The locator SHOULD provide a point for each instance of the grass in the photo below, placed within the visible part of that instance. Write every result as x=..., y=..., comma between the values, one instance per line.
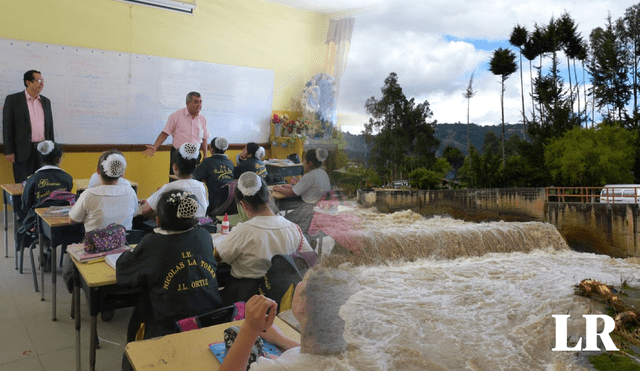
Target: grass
x=612, y=362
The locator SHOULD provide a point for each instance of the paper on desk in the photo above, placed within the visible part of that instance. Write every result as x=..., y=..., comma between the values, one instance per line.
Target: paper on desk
x=57, y=211
x=217, y=238
x=112, y=259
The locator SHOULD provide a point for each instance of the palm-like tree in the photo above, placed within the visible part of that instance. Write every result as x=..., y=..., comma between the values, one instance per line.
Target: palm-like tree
x=503, y=64
x=469, y=93
x=518, y=38
x=568, y=39
x=530, y=51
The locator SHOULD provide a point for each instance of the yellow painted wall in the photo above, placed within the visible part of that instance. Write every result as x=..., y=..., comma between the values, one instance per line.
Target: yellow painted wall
x=251, y=33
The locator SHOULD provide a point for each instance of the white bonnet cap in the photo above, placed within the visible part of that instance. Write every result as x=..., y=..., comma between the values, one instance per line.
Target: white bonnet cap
x=189, y=150
x=221, y=143
x=249, y=183
x=45, y=147
x=322, y=154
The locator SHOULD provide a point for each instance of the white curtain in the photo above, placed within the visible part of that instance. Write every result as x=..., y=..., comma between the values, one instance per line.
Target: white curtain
x=340, y=31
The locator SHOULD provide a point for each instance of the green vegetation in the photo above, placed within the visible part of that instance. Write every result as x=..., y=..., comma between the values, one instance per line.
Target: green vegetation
x=589, y=156
x=610, y=362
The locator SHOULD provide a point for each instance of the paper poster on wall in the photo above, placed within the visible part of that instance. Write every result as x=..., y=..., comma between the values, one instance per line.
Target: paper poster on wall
x=106, y=97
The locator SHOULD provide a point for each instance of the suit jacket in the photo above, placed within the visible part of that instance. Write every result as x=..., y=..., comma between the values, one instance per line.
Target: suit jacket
x=16, y=125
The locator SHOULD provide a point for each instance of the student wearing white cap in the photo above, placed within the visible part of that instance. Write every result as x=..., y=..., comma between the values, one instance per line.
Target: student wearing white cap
x=216, y=171
x=313, y=186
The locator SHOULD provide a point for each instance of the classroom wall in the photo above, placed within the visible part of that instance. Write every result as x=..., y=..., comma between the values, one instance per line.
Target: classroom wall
x=251, y=33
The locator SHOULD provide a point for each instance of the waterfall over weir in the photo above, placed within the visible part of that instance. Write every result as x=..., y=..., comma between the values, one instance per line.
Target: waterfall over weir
x=441, y=294
x=376, y=238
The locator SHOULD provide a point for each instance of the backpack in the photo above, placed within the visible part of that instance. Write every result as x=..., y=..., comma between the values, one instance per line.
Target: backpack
x=59, y=195
x=56, y=198
x=26, y=233
x=280, y=281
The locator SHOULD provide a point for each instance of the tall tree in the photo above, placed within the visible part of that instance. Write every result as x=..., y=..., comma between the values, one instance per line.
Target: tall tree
x=503, y=64
x=530, y=52
x=469, y=93
x=628, y=28
x=555, y=107
x=518, y=38
x=608, y=69
x=401, y=130
x=572, y=44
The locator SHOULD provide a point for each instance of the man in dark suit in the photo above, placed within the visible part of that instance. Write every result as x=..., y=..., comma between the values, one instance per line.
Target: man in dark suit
x=26, y=121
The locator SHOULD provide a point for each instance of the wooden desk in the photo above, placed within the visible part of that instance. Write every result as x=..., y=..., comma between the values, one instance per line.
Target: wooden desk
x=186, y=350
x=83, y=184
x=275, y=194
x=284, y=168
x=59, y=230
x=11, y=195
x=98, y=276
x=234, y=219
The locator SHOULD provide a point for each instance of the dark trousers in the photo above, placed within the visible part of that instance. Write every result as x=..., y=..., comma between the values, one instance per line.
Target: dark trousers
x=173, y=150
x=21, y=170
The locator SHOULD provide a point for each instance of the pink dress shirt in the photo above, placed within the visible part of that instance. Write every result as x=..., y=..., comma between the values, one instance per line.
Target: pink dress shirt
x=36, y=115
x=185, y=129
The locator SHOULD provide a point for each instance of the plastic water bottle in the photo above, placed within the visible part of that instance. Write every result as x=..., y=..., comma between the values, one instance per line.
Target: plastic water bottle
x=225, y=225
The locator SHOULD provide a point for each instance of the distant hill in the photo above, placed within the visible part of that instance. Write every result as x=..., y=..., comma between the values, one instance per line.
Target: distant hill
x=449, y=135
x=455, y=135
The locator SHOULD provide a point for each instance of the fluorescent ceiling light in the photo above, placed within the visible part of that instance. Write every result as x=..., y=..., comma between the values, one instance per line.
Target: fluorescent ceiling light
x=177, y=6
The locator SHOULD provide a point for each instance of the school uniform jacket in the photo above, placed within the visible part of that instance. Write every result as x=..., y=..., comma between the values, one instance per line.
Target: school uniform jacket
x=250, y=164
x=41, y=184
x=177, y=273
x=217, y=171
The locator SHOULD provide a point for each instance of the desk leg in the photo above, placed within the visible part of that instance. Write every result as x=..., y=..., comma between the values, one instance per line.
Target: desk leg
x=6, y=225
x=76, y=312
x=54, y=279
x=15, y=243
x=93, y=298
x=40, y=246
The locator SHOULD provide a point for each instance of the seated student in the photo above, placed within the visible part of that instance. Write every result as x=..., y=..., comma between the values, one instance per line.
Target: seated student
x=217, y=171
x=250, y=159
x=96, y=181
x=42, y=183
x=184, y=162
x=175, y=268
x=249, y=247
x=313, y=186
x=110, y=202
x=316, y=304
x=48, y=178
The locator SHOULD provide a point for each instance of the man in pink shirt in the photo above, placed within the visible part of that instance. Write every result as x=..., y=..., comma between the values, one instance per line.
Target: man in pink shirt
x=26, y=121
x=186, y=125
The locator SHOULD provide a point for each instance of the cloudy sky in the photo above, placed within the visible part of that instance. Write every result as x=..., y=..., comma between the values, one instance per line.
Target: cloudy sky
x=435, y=45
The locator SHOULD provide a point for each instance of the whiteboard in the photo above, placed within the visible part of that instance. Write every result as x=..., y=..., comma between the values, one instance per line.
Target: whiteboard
x=106, y=97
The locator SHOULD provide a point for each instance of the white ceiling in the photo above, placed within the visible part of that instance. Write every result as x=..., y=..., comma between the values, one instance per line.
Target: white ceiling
x=327, y=6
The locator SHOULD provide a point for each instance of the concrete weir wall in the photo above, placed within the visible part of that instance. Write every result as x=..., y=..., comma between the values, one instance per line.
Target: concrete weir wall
x=508, y=204
x=590, y=227
x=610, y=229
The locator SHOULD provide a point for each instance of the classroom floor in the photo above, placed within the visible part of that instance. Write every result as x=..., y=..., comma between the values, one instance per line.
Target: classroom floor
x=31, y=341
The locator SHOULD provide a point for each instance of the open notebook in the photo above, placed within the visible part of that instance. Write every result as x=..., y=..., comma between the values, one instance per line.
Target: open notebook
x=112, y=259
